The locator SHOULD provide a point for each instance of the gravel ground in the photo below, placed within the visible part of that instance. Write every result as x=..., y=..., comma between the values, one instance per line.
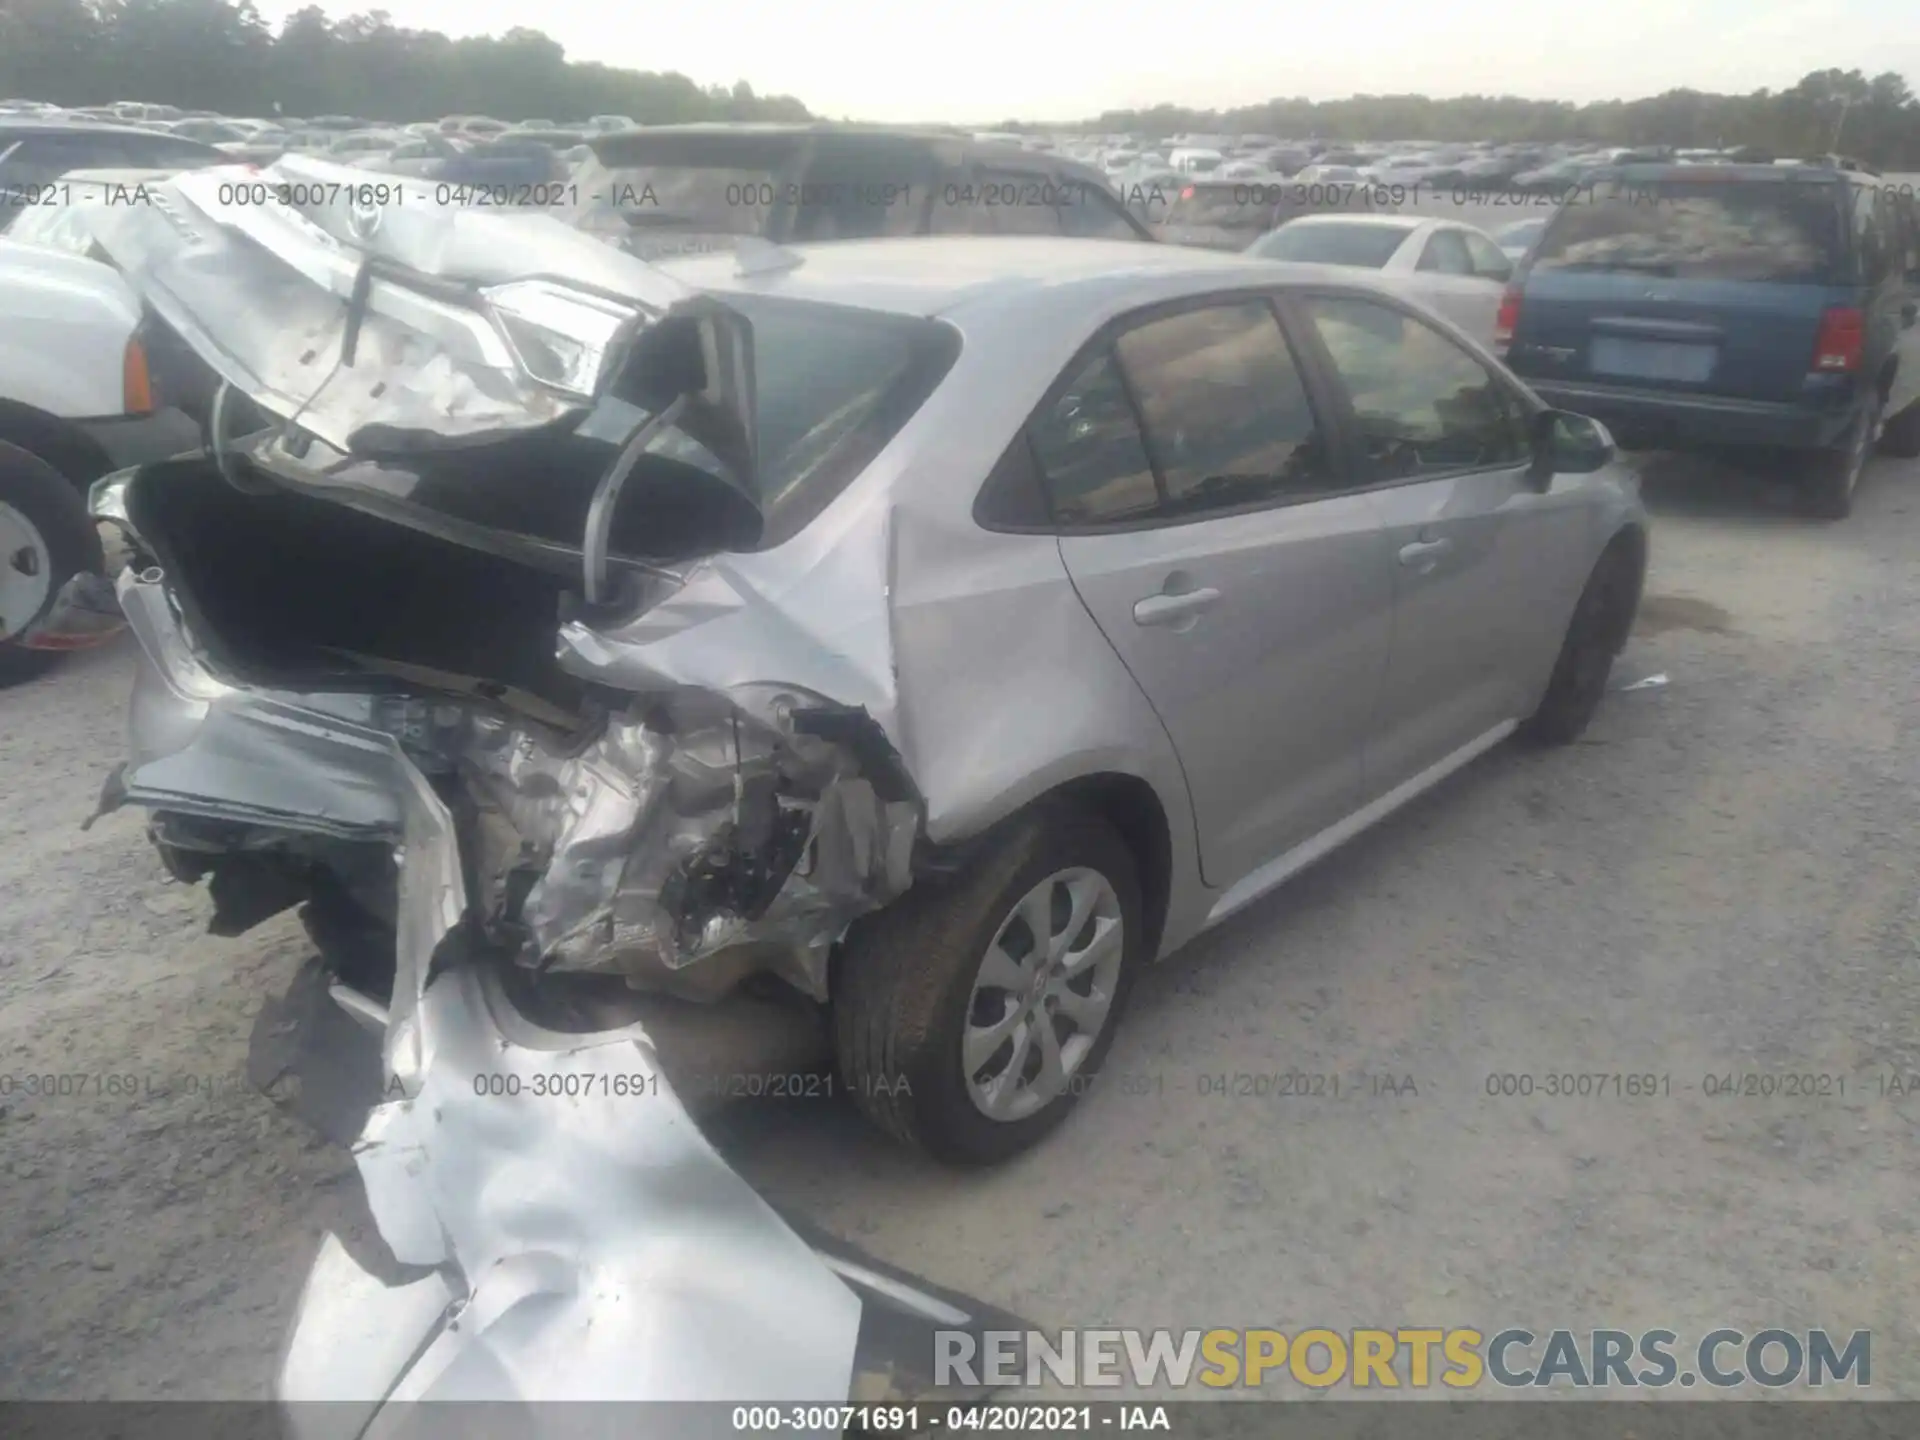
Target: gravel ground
x=1717, y=881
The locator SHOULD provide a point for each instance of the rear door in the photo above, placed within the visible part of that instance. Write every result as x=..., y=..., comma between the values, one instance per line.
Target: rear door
x=1485, y=566
x=1209, y=523
x=1707, y=286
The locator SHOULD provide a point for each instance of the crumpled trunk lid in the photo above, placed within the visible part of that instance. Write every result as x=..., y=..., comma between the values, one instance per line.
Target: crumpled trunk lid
x=372, y=323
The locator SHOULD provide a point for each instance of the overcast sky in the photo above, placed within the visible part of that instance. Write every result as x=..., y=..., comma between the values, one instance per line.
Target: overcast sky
x=1050, y=60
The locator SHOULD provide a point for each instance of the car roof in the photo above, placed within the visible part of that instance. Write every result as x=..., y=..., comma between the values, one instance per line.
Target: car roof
x=932, y=276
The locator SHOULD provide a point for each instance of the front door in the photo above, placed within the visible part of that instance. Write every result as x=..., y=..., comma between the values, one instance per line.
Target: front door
x=1486, y=567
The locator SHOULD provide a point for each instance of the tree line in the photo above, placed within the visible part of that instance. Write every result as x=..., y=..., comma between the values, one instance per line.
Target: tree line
x=221, y=55
x=1828, y=111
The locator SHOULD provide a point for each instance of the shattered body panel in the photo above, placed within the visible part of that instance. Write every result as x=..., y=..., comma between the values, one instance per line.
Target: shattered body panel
x=612, y=1289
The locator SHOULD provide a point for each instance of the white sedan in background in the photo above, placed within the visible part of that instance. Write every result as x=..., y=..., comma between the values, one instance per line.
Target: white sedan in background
x=1516, y=239
x=1455, y=269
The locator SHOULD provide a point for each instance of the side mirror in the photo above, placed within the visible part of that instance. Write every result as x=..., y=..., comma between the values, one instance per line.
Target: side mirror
x=1568, y=444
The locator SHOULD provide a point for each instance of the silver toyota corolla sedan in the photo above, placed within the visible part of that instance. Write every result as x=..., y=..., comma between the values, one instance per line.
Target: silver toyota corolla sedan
x=941, y=629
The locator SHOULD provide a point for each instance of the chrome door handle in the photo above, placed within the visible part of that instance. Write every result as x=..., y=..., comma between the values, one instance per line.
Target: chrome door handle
x=1423, y=553
x=1172, y=609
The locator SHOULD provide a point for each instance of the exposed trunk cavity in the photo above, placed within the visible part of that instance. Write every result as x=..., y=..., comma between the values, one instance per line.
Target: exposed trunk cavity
x=684, y=838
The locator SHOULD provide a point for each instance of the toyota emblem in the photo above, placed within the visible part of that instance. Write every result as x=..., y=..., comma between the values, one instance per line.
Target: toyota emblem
x=363, y=219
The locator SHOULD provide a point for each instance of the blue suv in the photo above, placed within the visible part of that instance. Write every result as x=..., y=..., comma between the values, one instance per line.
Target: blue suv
x=1737, y=305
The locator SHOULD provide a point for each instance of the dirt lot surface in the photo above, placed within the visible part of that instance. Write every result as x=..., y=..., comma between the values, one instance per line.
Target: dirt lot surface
x=1717, y=882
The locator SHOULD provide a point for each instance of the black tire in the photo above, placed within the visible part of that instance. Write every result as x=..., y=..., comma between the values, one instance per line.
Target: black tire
x=1901, y=437
x=1833, y=476
x=906, y=975
x=48, y=502
x=1596, y=634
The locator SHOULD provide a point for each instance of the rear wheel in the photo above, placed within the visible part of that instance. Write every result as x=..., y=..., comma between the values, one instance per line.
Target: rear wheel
x=1900, y=437
x=46, y=538
x=1595, y=636
x=970, y=1016
x=1827, y=488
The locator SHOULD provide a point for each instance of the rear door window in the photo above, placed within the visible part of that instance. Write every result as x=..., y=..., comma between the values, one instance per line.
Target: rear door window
x=831, y=387
x=1446, y=253
x=1780, y=231
x=1227, y=418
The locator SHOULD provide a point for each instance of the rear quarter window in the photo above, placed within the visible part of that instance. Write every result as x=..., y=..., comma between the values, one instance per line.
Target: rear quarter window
x=1776, y=231
x=833, y=385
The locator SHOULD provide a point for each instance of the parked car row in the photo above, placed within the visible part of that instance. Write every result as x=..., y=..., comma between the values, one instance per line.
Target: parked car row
x=457, y=149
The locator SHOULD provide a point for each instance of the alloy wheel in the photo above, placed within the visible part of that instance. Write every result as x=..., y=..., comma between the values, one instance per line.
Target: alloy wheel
x=26, y=571
x=1042, y=994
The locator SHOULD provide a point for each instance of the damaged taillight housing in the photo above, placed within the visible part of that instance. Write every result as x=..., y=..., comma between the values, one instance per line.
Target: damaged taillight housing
x=559, y=335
